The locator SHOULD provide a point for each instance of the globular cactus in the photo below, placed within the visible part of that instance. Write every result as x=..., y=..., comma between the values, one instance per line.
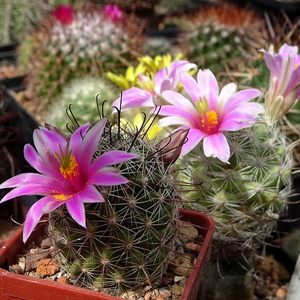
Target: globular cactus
x=213, y=38
x=84, y=41
x=80, y=93
x=17, y=18
x=130, y=237
x=246, y=196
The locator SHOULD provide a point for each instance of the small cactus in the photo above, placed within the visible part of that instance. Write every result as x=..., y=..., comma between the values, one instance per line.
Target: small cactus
x=128, y=238
x=212, y=38
x=80, y=93
x=246, y=196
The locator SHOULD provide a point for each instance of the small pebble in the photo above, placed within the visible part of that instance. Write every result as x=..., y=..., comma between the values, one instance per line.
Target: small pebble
x=281, y=292
x=63, y=280
x=47, y=267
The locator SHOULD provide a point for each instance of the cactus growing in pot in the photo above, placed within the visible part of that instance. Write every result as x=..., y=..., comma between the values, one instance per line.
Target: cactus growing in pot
x=126, y=232
x=129, y=238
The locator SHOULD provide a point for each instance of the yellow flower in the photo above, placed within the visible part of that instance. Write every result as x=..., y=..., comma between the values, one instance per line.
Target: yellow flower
x=130, y=78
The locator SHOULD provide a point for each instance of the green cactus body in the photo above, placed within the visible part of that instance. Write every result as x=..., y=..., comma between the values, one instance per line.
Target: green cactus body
x=81, y=94
x=212, y=38
x=90, y=45
x=130, y=237
x=19, y=17
x=245, y=196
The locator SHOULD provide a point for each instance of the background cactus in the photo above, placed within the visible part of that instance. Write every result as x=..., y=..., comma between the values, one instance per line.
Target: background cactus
x=81, y=93
x=89, y=45
x=246, y=196
x=129, y=237
x=213, y=38
x=19, y=17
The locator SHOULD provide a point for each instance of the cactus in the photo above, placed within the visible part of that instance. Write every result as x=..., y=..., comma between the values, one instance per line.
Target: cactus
x=215, y=38
x=158, y=46
x=246, y=196
x=129, y=237
x=19, y=17
x=90, y=43
x=80, y=94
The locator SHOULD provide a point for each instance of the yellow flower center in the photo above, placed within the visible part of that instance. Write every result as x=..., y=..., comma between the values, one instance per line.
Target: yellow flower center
x=146, y=82
x=209, y=121
x=71, y=171
x=61, y=197
x=69, y=168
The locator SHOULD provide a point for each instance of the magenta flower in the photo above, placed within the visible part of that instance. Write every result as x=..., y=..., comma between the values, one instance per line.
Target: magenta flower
x=284, y=83
x=209, y=114
x=64, y=14
x=114, y=13
x=151, y=88
x=68, y=173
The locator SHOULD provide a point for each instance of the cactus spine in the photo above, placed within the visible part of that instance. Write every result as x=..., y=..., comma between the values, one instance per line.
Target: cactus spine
x=216, y=39
x=129, y=237
x=245, y=196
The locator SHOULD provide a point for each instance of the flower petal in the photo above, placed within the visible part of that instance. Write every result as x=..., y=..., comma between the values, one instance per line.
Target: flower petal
x=216, y=145
x=91, y=194
x=36, y=211
x=76, y=210
x=111, y=158
x=193, y=138
x=108, y=178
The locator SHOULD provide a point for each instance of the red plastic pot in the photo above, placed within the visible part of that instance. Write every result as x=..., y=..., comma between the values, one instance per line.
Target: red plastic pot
x=16, y=286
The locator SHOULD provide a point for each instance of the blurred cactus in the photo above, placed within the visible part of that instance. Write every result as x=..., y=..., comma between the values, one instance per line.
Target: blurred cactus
x=80, y=42
x=246, y=196
x=213, y=37
x=130, y=237
x=19, y=17
x=81, y=93
x=157, y=46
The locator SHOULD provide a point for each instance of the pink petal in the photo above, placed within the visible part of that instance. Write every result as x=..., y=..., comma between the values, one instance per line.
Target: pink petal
x=108, y=178
x=216, y=145
x=49, y=168
x=193, y=138
x=178, y=100
x=91, y=194
x=36, y=211
x=90, y=143
x=239, y=98
x=30, y=179
x=209, y=87
x=160, y=76
x=191, y=86
x=134, y=97
x=111, y=158
x=75, y=208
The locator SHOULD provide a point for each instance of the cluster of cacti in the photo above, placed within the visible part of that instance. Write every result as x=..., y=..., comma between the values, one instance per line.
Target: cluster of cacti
x=80, y=42
x=19, y=17
x=81, y=94
x=130, y=237
x=246, y=196
x=213, y=38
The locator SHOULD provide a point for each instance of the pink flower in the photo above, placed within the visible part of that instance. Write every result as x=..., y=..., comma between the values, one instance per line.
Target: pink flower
x=209, y=114
x=114, y=13
x=68, y=173
x=284, y=84
x=64, y=14
x=149, y=95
